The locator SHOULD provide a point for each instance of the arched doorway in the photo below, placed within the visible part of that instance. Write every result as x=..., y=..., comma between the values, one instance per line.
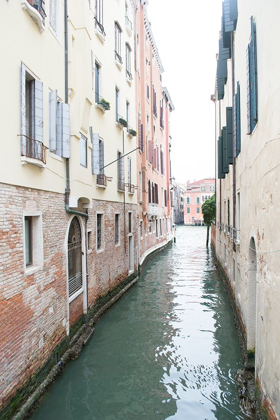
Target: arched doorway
x=75, y=275
x=252, y=296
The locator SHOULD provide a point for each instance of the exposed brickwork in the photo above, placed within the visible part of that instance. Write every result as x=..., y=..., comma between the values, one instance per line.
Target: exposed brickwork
x=33, y=307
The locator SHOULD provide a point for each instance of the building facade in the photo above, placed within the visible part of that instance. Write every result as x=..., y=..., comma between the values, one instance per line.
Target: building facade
x=153, y=108
x=69, y=179
x=196, y=194
x=248, y=148
x=178, y=191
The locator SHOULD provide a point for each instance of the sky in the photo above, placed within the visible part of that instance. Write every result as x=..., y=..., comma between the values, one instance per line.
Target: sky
x=186, y=33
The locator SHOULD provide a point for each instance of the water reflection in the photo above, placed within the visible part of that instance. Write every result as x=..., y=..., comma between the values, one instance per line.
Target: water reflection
x=167, y=350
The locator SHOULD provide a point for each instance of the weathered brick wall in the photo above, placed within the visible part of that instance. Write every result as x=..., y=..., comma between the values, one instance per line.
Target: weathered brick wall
x=149, y=240
x=109, y=267
x=32, y=307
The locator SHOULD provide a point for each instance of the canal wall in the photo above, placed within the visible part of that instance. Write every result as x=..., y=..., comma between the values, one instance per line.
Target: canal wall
x=28, y=397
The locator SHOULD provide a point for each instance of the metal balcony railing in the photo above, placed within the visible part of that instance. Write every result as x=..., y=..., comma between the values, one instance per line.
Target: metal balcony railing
x=101, y=179
x=128, y=23
x=118, y=58
x=236, y=235
x=39, y=6
x=33, y=149
x=99, y=27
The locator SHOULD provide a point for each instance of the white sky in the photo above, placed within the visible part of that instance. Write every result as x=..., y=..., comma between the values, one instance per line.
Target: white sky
x=186, y=34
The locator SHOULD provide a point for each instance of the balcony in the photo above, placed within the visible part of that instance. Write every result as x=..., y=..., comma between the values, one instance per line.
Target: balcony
x=128, y=26
x=101, y=103
x=101, y=180
x=118, y=60
x=121, y=186
x=99, y=30
x=130, y=188
x=36, y=11
x=33, y=151
x=236, y=236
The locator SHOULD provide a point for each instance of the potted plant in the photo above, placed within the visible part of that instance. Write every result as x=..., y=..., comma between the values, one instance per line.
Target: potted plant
x=123, y=122
x=132, y=132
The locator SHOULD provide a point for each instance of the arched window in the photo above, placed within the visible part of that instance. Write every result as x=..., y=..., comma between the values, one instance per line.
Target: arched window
x=75, y=278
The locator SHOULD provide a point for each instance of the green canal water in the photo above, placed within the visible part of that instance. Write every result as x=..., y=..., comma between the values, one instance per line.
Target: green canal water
x=167, y=350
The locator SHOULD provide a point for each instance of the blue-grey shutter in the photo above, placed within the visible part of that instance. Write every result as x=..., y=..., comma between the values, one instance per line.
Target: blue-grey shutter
x=94, y=152
x=52, y=120
x=226, y=25
x=238, y=121
x=23, y=110
x=253, y=76
x=101, y=156
x=225, y=159
x=248, y=90
x=38, y=110
x=229, y=135
x=220, y=159
x=65, y=130
x=233, y=11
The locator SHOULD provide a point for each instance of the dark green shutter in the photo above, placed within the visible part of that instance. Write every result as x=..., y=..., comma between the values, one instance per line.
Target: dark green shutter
x=225, y=159
x=233, y=11
x=229, y=135
x=253, y=76
x=220, y=159
x=237, y=128
x=226, y=32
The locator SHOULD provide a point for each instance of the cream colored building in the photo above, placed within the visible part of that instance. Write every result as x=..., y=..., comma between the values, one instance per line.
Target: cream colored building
x=247, y=104
x=68, y=200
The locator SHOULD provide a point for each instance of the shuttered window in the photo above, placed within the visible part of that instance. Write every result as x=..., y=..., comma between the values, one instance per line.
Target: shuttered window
x=121, y=185
x=229, y=135
x=252, y=80
x=59, y=126
x=220, y=162
x=224, y=142
x=236, y=123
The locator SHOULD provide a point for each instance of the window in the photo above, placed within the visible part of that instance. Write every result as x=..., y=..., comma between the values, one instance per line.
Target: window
x=54, y=16
x=28, y=240
x=59, y=126
x=148, y=123
x=89, y=241
x=130, y=188
x=33, y=241
x=141, y=229
x=188, y=210
x=127, y=108
x=198, y=210
x=211, y=187
x=128, y=61
x=101, y=178
x=188, y=200
x=117, y=100
x=129, y=222
x=118, y=32
x=83, y=151
x=97, y=82
x=197, y=200
x=252, y=80
x=99, y=16
x=161, y=121
x=161, y=161
x=32, y=117
x=140, y=187
x=121, y=185
x=157, y=228
x=165, y=198
x=75, y=277
x=117, y=229
x=99, y=232
x=148, y=92
x=160, y=227
x=202, y=188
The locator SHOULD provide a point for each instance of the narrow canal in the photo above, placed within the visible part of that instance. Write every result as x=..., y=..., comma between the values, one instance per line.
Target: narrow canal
x=167, y=350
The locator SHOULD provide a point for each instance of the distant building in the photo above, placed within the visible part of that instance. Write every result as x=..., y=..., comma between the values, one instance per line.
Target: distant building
x=178, y=209
x=197, y=193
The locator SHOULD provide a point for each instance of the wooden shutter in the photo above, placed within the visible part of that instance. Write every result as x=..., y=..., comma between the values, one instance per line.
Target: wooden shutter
x=38, y=110
x=23, y=109
x=52, y=120
x=224, y=142
x=253, y=76
x=248, y=90
x=229, y=135
x=94, y=152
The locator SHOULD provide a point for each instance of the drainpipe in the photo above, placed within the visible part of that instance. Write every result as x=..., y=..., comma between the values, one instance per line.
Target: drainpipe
x=234, y=158
x=67, y=189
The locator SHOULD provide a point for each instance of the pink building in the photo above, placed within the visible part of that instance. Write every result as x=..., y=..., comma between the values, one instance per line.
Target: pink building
x=196, y=194
x=153, y=109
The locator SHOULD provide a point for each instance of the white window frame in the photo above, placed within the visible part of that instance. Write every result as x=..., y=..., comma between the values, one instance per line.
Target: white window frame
x=37, y=242
x=57, y=10
x=102, y=242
